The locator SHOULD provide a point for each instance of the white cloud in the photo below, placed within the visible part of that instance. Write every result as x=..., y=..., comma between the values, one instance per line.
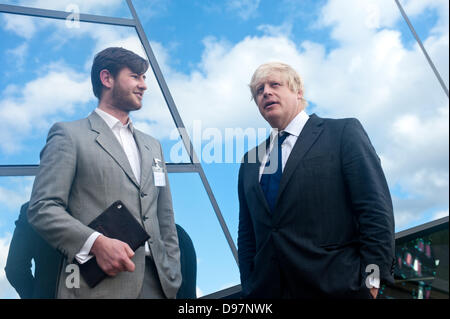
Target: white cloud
x=57, y=92
x=414, y=8
x=284, y=30
x=246, y=9
x=440, y=214
x=18, y=55
x=406, y=218
x=13, y=199
x=199, y=292
x=23, y=26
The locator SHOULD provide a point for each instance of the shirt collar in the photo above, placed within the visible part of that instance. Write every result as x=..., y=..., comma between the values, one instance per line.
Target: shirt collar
x=295, y=127
x=297, y=124
x=112, y=121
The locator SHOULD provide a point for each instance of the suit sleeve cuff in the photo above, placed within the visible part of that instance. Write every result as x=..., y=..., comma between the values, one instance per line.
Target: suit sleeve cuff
x=83, y=255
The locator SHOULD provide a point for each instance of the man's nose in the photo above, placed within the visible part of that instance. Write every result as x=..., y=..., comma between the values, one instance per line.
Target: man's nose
x=142, y=85
x=267, y=91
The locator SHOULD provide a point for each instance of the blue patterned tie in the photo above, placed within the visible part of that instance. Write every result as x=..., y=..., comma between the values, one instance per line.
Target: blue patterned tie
x=271, y=182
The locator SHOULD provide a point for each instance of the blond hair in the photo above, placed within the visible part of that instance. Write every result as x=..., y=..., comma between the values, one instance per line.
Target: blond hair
x=294, y=80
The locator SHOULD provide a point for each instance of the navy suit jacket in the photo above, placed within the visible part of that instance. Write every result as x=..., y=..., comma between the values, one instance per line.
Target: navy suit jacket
x=27, y=245
x=333, y=217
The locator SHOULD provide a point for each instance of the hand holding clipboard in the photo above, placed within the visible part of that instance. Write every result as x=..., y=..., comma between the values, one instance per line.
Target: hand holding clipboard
x=118, y=223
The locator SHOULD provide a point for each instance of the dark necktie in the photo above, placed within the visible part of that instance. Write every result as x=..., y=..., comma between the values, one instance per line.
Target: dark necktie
x=271, y=182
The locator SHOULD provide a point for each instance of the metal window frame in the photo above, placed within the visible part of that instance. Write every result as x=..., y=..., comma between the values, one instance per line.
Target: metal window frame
x=193, y=167
x=424, y=51
x=424, y=229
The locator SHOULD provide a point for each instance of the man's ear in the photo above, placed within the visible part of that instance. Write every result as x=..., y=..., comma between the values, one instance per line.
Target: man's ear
x=106, y=78
x=299, y=95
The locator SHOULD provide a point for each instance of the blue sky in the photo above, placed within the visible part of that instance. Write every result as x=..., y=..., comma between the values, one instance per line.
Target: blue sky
x=357, y=59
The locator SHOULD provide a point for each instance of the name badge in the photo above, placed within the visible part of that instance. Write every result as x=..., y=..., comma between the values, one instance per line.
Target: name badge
x=158, y=174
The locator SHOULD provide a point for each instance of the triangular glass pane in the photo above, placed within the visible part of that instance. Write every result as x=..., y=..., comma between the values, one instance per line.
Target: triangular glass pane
x=216, y=266
x=45, y=78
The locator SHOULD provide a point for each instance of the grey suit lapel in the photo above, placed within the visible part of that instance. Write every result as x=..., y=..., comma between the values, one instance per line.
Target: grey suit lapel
x=147, y=155
x=312, y=130
x=111, y=145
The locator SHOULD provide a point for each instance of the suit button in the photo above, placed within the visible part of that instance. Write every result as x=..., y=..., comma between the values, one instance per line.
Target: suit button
x=143, y=195
x=144, y=218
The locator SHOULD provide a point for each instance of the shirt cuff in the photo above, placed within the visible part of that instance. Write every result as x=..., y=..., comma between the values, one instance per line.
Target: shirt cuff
x=83, y=255
x=147, y=250
x=374, y=282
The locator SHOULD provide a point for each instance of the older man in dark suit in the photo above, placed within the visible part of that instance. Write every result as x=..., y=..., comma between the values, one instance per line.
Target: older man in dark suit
x=315, y=210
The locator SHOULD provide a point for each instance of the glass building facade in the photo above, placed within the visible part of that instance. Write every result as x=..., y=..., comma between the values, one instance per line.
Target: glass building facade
x=421, y=270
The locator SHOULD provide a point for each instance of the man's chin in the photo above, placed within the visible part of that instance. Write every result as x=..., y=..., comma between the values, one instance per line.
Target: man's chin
x=135, y=107
x=272, y=119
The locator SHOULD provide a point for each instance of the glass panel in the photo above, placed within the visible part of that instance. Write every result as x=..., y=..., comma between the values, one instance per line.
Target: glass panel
x=112, y=8
x=223, y=179
x=422, y=266
x=14, y=192
x=216, y=267
x=45, y=78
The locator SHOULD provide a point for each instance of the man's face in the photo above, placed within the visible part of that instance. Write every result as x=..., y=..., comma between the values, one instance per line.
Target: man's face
x=128, y=90
x=276, y=102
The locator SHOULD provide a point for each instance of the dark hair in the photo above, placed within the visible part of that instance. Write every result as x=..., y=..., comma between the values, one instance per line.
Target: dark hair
x=115, y=59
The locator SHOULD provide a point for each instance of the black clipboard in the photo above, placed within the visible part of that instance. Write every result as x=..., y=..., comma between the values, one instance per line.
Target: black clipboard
x=115, y=222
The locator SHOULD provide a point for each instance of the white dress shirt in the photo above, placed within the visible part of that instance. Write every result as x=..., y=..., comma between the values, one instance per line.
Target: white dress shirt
x=124, y=134
x=294, y=128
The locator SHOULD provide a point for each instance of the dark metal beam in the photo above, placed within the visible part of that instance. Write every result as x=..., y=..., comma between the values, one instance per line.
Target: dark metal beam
x=31, y=170
x=433, y=225
x=163, y=85
x=233, y=291
x=180, y=126
x=18, y=170
x=181, y=168
x=63, y=15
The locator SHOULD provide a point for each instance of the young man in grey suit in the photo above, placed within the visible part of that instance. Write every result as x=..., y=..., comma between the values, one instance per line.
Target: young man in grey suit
x=316, y=218
x=87, y=165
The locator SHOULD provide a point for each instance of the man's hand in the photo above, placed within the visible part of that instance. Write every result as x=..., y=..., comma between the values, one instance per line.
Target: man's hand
x=113, y=256
x=374, y=292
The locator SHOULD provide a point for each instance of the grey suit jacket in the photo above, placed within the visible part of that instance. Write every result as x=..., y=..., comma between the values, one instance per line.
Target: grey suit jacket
x=83, y=170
